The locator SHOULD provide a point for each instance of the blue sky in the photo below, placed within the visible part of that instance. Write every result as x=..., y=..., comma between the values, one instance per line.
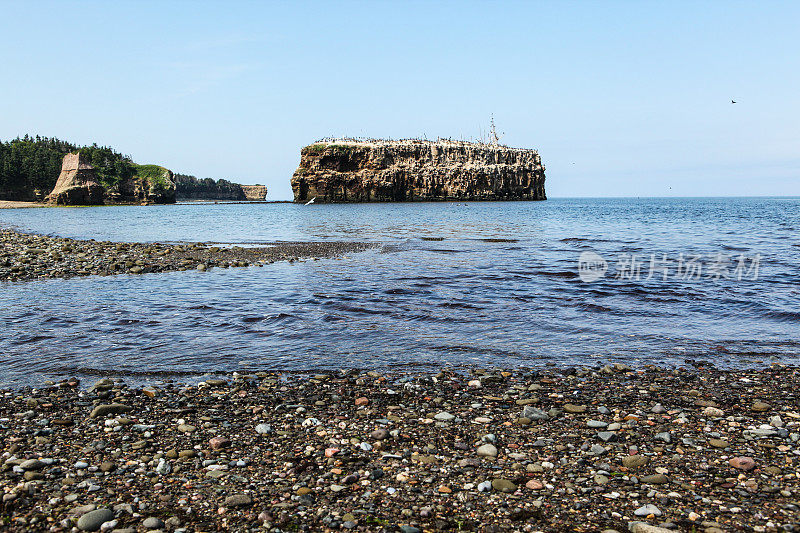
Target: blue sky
x=620, y=98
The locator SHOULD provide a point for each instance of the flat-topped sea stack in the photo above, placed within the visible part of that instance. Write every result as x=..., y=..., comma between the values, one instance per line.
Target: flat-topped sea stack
x=255, y=192
x=351, y=170
x=77, y=184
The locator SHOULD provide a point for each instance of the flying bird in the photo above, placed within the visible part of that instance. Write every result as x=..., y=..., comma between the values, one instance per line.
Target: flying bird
x=733, y=101
x=311, y=201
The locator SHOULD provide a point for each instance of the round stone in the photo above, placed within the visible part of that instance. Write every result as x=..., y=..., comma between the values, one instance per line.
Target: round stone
x=713, y=412
x=92, y=520
x=32, y=464
x=534, y=484
x=634, y=461
x=487, y=450
x=655, y=479
x=503, y=485
x=238, y=500
x=743, y=463
x=647, y=510
x=760, y=407
x=153, y=523
x=379, y=434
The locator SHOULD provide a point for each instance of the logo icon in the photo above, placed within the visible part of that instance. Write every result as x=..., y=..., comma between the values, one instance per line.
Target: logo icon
x=591, y=267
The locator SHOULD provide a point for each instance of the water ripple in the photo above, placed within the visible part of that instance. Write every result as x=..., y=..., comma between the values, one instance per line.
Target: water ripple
x=495, y=285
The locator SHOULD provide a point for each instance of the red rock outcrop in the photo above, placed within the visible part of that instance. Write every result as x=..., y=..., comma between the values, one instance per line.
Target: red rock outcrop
x=77, y=184
x=397, y=171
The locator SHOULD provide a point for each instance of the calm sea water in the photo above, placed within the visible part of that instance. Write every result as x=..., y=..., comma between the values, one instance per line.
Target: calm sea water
x=485, y=284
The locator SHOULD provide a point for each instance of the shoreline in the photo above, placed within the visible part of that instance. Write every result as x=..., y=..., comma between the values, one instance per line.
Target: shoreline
x=12, y=204
x=27, y=256
x=576, y=449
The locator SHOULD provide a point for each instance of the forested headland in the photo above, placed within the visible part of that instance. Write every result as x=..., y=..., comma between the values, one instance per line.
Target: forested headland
x=29, y=168
x=192, y=188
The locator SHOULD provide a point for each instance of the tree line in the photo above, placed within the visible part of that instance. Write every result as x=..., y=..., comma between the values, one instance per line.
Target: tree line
x=29, y=166
x=192, y=188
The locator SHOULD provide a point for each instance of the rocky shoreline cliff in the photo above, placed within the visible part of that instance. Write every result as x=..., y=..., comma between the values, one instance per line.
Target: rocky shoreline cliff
x=254, y=192
x=416, y=170
x=78, y=184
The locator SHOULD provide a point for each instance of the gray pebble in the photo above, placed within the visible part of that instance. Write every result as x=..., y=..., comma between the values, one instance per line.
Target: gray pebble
x=153, y=523
x=92, y=520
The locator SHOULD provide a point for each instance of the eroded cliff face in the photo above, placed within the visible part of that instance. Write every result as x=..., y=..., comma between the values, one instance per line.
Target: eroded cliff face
x=152, y=184
x=255, y=192
x=398, y=171
x=77, y=184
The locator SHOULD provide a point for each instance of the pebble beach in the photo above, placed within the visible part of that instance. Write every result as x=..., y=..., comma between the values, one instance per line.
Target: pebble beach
x=26, y=257
x=605, y=448
x=281, y=267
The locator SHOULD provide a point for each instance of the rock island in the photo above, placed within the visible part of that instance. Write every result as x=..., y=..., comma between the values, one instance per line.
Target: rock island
x=358, y=170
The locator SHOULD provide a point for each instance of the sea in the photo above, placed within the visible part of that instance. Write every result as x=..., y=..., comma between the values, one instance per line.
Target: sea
x=513, y=285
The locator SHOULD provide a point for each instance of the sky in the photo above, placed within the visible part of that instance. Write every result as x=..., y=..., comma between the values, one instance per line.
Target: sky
x=620, y=98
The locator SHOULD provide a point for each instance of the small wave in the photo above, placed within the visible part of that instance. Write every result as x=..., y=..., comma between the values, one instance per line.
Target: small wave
x=563, y=274
x=31, y=339
x=432, y=238
x=596, y=308
x=400, y=291
x=357, y=309
x=734, y=248
x=445, y=250
x=589, y=239
x=125, y=322
x=122, y=372
x=460, y=305
x=58, y=320
x=267, y=318
x=784, y=316
x=499, y=240
x=479, y=350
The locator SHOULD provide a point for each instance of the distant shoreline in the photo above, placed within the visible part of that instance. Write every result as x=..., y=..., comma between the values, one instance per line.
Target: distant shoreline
x=10, y=204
